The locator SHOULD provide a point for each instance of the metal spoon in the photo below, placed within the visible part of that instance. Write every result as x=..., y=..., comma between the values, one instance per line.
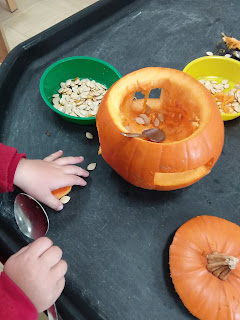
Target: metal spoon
x=33, y=221
x=154, y=134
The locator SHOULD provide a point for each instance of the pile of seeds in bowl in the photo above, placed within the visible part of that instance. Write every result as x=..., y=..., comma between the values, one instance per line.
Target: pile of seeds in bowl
x=79, y=98
x=228, y=102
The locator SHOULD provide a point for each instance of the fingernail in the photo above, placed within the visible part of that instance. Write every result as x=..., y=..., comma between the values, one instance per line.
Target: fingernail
x=60, y=207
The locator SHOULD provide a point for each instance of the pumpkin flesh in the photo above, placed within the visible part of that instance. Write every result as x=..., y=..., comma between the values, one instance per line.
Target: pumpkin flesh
x=184, y=102
x=59, y=193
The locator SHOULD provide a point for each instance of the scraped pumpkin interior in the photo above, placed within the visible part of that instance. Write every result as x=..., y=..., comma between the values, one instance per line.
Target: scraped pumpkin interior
x=170, y=111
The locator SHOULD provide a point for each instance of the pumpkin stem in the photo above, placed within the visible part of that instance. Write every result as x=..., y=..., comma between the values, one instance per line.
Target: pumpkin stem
x=221, y=265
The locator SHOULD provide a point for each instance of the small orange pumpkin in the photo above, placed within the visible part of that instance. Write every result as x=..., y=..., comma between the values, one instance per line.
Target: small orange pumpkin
x=185, y=111
x=205, y=268
x=59, y=193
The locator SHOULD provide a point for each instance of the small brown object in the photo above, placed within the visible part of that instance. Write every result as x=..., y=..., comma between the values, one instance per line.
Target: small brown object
x=221, y=264
x=48, y=133
x=12, y=5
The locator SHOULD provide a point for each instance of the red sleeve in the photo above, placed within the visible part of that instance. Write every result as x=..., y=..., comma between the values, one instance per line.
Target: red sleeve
x=9, y=158
x=14, y=304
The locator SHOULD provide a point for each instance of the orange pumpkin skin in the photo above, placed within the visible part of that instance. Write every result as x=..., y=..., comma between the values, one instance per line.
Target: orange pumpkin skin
x=171, y=164
x=59, y=193
x=203, y=294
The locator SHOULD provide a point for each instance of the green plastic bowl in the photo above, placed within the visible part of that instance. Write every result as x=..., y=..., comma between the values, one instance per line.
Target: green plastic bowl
x=70, y=68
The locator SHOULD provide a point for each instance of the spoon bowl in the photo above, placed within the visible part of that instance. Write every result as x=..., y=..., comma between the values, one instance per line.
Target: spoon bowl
x=30, y=216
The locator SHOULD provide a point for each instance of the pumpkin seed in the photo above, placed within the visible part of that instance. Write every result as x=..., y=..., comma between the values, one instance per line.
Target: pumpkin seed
x=89, y=135
x=224, y=81
x=160, y=117
x=156, y=122
x=91, y=166
x=55, y=100
x=148, y=109
x=145, y=119
x=139, y=120
x=65, y=199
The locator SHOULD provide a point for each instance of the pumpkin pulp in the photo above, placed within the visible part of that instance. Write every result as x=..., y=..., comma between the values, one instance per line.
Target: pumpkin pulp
x=180, y=120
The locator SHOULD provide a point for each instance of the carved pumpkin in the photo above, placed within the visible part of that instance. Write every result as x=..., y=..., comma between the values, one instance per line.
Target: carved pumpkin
x=59, y=193
x=185, y=111
x=204, y=267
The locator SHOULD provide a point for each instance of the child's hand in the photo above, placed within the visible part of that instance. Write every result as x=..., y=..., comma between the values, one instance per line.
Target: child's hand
x=39, y=177
x=38, y=271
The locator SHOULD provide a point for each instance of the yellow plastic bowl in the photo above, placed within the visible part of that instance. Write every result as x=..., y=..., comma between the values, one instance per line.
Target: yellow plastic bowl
x=213, y=68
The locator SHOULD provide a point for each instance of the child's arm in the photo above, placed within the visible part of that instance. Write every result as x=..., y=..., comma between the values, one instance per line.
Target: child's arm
x=9, y=159
x=14, y=305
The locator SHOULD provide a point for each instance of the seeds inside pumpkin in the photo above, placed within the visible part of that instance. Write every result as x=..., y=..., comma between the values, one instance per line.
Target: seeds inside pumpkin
x=172, y=118
x=145, y=119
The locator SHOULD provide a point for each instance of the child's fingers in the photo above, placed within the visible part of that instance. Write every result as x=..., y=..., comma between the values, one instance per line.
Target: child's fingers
x=69, y=160
x=60, y=285
x=72, y=180
x=39, y=246
x=75, y=170
x=69, y=180
x=59, y=269
x=51, y=201
x=54, y=156
x=52, y=256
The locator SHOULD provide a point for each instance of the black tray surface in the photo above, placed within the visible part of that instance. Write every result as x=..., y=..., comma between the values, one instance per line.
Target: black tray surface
x=115, y=237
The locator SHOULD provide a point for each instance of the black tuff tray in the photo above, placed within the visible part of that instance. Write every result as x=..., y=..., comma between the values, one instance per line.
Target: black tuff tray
x=115, y=237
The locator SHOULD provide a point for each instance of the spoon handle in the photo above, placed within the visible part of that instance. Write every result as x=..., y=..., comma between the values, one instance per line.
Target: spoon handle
x=132, y=135
x=52, y=313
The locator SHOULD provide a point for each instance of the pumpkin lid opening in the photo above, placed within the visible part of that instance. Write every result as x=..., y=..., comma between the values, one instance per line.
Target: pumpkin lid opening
x=172, y=108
